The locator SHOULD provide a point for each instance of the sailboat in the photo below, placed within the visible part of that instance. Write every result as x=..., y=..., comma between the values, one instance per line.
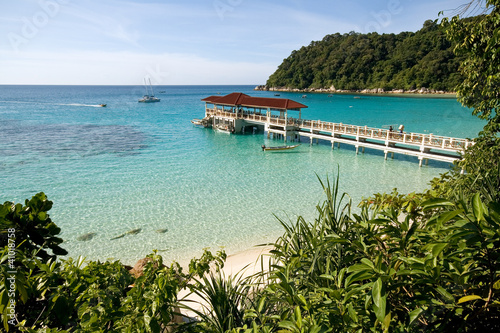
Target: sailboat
x=149, y=98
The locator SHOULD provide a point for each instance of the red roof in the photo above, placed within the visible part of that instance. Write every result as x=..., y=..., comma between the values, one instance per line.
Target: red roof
x=240, y=99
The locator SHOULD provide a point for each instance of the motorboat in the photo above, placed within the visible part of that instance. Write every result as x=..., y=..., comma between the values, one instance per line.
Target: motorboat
x=205, y=122
x=224, y=128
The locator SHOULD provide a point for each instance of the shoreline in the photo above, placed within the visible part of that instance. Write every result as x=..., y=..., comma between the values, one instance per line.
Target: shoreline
x=377, y=91
x=244, y=263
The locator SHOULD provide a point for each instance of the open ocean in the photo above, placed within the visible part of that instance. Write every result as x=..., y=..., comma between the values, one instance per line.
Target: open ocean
x=132, y=165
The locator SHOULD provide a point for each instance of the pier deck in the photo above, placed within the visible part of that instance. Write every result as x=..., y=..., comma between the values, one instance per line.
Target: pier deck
x=423, y=146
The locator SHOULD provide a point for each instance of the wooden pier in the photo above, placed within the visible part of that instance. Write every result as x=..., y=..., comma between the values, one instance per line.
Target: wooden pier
x=239, y=111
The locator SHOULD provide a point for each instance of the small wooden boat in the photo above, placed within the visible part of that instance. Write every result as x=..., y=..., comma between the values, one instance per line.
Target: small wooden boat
x=279, y=148
x=102, y=105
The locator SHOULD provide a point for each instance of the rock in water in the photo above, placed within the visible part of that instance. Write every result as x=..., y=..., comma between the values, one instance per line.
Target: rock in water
x=162, y=231
x=134, y=231
x=86, y=237
x=121, y=236
x=130, y=232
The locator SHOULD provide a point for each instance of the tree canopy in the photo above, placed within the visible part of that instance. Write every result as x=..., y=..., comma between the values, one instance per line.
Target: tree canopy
x=477, y=41
x=354, y=61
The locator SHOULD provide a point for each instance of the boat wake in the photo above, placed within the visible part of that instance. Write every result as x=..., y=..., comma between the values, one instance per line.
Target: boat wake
x=92, y=105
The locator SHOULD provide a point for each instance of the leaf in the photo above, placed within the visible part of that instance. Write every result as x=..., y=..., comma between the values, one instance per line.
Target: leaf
x=262, y=302
x=287, y=325
x=469, y=298
x=496, y=285
x=367, y=263
x=438, y=248
x=360, y=267
x=298, y=317
x=352, y=313
x=358, y=276
x=435, y=203
x=478, y=208
x=415, y=314
x=379, y=299
x=445, y=294
x=445, y=217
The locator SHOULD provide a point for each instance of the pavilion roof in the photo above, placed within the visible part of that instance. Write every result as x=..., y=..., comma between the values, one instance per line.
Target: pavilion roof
x=241, y=99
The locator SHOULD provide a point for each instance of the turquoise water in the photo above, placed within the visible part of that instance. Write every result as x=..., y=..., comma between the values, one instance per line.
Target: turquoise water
x=132, y=165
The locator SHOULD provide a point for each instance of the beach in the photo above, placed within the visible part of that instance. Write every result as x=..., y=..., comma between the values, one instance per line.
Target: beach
x=244, y=264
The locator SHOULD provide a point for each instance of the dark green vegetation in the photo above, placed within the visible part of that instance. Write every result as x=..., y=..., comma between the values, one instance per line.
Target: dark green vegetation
x=418, y=262
x=41, y=294
x=477, y=40
x=357, y=61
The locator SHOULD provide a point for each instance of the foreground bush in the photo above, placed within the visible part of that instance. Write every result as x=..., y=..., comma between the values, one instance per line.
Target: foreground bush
x=40, y=293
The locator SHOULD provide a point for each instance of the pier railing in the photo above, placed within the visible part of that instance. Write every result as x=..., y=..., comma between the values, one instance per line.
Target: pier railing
x=359, y=132
x=365, y=132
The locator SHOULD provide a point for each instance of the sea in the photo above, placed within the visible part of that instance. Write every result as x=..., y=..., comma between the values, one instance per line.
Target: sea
x=182, y=189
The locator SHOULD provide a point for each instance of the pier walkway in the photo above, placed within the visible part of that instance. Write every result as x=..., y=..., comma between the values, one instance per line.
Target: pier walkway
x=239, y=111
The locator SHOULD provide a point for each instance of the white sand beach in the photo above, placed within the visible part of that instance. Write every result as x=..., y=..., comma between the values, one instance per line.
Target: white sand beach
x=246, y=262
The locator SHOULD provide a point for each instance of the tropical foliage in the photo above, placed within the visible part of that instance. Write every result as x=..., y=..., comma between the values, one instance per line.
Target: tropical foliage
x=41, y=293
x=477, y=40
x=356, y=61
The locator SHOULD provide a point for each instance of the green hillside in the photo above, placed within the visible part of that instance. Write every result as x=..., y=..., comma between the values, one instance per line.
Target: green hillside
x=354, y=61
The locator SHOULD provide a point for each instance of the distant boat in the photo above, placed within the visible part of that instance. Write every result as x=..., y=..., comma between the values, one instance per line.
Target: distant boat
x=102, y=105
x=149, y=98
x=276, y=94
x=304, y=96
x=278, y=148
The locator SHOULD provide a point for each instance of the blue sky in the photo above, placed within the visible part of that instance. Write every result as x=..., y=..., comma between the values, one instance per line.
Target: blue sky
x=181, y=42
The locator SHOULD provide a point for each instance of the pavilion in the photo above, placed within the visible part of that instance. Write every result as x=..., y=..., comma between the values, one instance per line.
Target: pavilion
x=237, y=111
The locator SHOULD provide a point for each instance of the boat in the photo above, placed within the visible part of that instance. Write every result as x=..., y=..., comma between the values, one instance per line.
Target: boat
x=278, y=148
x=102, y=105
x=149, y=98
x=205, y=122
x=223, y=128
x=197, y=122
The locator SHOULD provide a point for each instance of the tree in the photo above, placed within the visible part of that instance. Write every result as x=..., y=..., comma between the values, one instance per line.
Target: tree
x=477, y=39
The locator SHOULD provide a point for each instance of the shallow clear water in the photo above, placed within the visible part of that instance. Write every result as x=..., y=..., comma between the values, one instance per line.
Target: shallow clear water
x=132, y=165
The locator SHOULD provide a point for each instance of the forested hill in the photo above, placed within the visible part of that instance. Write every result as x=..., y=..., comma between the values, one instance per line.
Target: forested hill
x=354, y=61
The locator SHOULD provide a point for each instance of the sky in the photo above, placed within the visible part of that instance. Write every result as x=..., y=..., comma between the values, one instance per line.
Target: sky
x=189, y=42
